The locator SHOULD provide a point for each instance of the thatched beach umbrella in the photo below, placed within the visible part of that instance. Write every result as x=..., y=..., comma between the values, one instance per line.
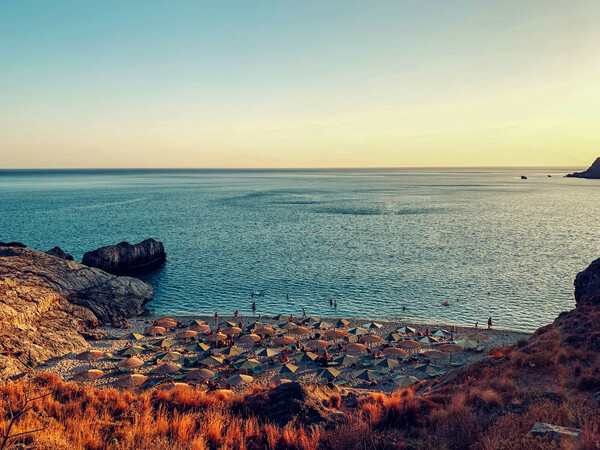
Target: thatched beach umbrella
x=132, y=380
x=265, y=331
x=88, y=375
x=392, y=351
x=316, y=343
x=409, y=345
x=154, y=331
x=370, y=339
x=89, y=356
x=435, y=355
x=211, y=361
x=199, y=374
x=239, y=379
x=284, y=340
x=200, y=328
x=169, y=356
x=298, y=331
x=372, y=326
x=451, y=348
x=342, y=323
x=166, y=369
x=478, y=336
x=249, y=339
x=132, y=350
x=328, y=373
x=216, y=337
x=186, y=334
x=232, y=331
x=165, y=322
x=355, y=348
x=334, y=334
x=367, y=375
x=404, y=380
x=130, y=363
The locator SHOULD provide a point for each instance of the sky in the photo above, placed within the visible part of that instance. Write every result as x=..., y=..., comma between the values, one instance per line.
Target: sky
x=266, y=84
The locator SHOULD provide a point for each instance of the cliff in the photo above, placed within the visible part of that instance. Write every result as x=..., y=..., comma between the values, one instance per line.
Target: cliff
x=593, y=172
x=127, y=259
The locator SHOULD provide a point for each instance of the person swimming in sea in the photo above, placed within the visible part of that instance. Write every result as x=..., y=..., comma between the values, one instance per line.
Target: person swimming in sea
x=253, y=306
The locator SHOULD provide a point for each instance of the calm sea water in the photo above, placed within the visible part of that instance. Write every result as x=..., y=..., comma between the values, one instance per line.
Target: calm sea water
x=373, y=240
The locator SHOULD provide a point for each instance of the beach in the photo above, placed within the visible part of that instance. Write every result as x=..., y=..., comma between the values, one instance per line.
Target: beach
x=381, y=369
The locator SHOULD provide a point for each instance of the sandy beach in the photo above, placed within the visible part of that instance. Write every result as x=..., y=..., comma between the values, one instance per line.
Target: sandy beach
x=383, y=372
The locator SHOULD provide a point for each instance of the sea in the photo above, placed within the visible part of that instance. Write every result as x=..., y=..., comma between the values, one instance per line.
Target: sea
x=380, y=243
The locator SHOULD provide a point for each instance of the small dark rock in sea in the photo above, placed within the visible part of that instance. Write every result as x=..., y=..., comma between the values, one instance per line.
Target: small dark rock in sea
x=592, y=173
x=523, y=177
x=12, y=244
x=60, y=253
x=127, y=259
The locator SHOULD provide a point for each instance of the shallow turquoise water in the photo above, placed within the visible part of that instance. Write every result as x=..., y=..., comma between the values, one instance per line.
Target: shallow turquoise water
x=374, y=240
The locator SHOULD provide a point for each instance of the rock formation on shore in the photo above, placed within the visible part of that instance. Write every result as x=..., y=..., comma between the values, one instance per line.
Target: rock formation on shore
x=593, y=172
x=587, y=285
x=127, y=259
x=59, y=253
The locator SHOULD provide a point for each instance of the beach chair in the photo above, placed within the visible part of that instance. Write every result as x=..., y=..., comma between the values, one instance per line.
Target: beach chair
x=217, y=375
x=258, y=370
x=385, y=370
x=366, y=362
x=458, y=363
x=176, y=376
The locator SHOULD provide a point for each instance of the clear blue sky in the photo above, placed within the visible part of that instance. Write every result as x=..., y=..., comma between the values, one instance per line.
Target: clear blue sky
x=298, y=84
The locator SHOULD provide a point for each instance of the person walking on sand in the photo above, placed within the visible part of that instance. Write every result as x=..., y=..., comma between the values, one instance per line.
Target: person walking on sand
x=303, y=313
x=235, y=315
x=216, y=319
x=489, y=323
x=476, y=324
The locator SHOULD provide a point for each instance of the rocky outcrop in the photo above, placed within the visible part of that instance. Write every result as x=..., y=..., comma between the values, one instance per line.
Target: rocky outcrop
x=593, y=172
x=587, y=285
x=106, y=295
x=60, y=253
x=127, y=259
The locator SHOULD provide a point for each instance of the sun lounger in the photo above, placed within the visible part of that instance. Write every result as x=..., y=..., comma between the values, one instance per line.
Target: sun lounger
x=217, y=375
x=176, y=376
x=458, y=363
x=366, y=362
x=385, y=370
x=436, y=374
x=258, y=370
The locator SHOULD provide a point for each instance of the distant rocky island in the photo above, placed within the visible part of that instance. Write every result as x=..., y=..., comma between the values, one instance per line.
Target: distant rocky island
x=592, y=173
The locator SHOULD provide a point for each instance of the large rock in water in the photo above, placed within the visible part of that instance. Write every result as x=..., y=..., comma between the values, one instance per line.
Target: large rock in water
x=593, y=172
x=587, y=285
x=127, y=259
x=59, y=253
x=107, y=296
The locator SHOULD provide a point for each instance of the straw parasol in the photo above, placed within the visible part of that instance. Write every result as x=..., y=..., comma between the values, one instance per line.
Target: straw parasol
x=334, y=334
x=153, y=331
x=284, y=340
x=199, y=374
x=90, y=355
x=427, y=340
x=130, y=363
x=232, y=331
x=249, y=338
x=88, y=375
x=163, y=343
x=404, y=380
x=370, y=339
x=345, y=360
x=355, y=348
x=197, y=347
x=316, y=343
x=133, y=350
x=288, y=326
x=392, y=351
x=166, y=322
x=298, y=331
x=132, y=380
x=165, y=369
x=409, y=345
x=265, y=331
x=342, y=323
x=328, y=373
x=364, y=374
x=186, y=334
x=406, y=330
x=478, y=336
x=435, y=355
x=387, y=363
x=451, y=348
x=216, y=337
x=358, y=331
x=133, y=337
x=169, y=356
x=239, y=379
x=211, y=361
x=372, y=326
x=199, y=328
x=268, y=352
x=285, y=368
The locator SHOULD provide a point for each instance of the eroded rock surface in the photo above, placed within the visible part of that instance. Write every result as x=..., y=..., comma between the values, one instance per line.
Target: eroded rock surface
x=127, y=259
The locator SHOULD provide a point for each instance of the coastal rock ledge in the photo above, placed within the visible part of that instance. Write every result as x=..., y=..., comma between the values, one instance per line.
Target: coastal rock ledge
x=592, y=173
x=125, y=258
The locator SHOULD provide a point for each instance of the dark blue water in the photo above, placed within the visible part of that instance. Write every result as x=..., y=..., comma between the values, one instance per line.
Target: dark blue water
x=374, y=240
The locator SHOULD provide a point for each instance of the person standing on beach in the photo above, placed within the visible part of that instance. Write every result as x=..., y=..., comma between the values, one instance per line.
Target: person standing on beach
x=476, y=324
x=253, y=306
x=235, y=315
x=216, y=319
x=489, y=323
x=303, y=314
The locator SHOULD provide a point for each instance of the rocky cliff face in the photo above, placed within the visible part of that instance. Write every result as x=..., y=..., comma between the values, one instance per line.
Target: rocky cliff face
x=593, y=172
x=106, y=295
x=60, y=253
x=587, y=285
x=127, y=259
